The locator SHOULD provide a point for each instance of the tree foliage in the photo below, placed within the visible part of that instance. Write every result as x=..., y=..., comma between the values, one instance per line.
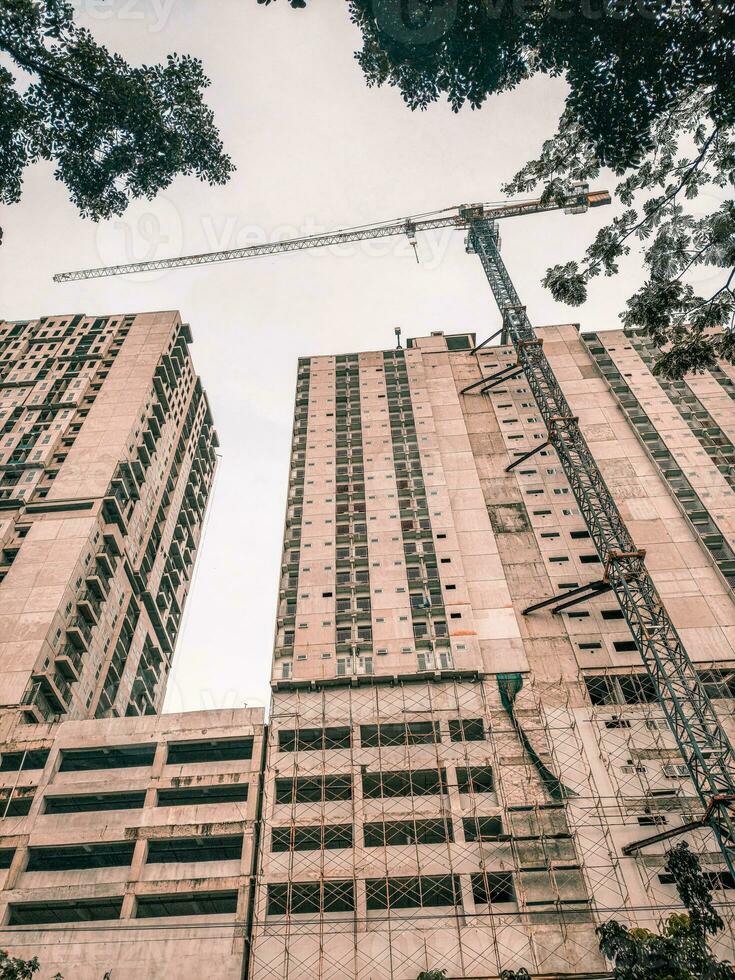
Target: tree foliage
x=681, y=950
x=113, y=131
x=14, y=968
x=651, y=96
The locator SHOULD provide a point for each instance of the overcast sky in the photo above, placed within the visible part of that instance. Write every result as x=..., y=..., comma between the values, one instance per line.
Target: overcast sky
x=315, y=149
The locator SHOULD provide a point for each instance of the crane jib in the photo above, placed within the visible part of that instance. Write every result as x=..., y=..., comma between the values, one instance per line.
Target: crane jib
x=576, y=199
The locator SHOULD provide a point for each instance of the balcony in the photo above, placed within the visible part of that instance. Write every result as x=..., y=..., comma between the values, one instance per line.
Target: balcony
x=36, y=706
x=98, y=584
x=163, y=600
x=79, y=632
x=144, y=456
x=141, y=698
x=55, y=690
x=89, y=607
x=113, y=510
x=70, y=662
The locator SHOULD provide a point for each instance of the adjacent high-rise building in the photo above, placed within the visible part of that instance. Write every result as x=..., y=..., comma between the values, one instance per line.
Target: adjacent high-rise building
x=466, y=756
x=107, y=455
x=127, y=836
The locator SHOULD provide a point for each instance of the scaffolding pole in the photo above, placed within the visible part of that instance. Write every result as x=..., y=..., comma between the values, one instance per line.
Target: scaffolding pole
x=689, y=712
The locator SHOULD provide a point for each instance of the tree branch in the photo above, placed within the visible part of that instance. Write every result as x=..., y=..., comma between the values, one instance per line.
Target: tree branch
x=31, y=65
x=669, y=197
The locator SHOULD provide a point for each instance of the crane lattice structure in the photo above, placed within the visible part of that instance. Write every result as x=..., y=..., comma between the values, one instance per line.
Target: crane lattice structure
x=700, y=737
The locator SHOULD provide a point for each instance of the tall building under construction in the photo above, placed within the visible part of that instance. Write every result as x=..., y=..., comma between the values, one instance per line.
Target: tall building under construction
x=469, y=762
x=468, y=767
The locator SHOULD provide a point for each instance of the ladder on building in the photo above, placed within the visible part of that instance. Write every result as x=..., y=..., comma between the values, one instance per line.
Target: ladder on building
x=700, y=737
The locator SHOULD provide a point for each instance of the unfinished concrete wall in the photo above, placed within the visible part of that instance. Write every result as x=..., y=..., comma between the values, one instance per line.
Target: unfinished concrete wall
x=128, y=844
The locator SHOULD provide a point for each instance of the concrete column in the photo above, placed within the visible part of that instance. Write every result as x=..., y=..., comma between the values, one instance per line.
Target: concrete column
x=140, y=855
x=17, y=865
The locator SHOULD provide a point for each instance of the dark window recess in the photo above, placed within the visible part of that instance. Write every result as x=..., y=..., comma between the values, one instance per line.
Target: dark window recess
x=316, y=838
x=482, y=828
x=399, y=833
x=77, y=910
x=308, y=897
x=410, y=733
x=219, y=750
x=625, y=646
x=427, y=891
x=458, y=343
x=313, y=739
x=612, y=614
x=589, y=559
x=196, y=903
x=475, y=779
x=599, y=690
x=314, y=789
x=715, y=879
x=576, y=535
x=637, y=689
x=492, y=888
x=466, y=730
x=203, y=795
x=20, y=761
x=78, y=857
x=6, y=857
x=94, y=802
x=621, y=689
x=182, y=850
x=419, y=782
x=17, y=806
x=119, y=757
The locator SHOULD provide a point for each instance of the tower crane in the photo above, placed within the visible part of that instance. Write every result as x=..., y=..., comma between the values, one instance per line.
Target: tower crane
x=700, y=736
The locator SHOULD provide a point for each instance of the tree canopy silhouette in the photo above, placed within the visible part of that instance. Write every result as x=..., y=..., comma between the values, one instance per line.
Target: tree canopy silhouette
x=114, y=132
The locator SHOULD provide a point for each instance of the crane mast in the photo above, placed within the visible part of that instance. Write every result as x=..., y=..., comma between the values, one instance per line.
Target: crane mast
x=699, y=734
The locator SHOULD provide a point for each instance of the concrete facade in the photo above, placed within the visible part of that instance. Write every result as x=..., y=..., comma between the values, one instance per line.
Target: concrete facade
x=107, y=454
x=128, y=843
x=450, y=780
